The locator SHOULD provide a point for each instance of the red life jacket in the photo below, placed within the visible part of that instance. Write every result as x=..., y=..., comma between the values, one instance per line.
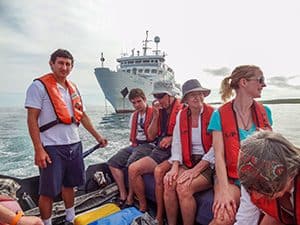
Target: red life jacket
x=272, y=207
x=176, y=106
x=59, y=106
x=186, y=132
x=134, y=124
x=231, y=132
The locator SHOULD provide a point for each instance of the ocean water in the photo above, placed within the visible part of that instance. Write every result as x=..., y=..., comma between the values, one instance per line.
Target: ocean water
x=16, y=151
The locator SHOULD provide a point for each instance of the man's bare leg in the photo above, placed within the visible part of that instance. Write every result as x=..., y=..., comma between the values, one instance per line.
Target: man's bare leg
x=45, y=206
x=119, y=178
x=136, y=170
x=159, y=173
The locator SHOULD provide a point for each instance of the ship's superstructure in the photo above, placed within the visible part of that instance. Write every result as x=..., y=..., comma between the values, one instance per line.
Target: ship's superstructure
x=139, y=70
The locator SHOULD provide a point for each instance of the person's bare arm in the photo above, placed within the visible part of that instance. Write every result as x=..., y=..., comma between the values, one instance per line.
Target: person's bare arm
x=41, y=158
x=7, y=216
x=153, y=127
x=87, y=124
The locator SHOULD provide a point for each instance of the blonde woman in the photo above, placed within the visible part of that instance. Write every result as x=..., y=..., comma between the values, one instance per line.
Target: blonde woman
x=232, y=122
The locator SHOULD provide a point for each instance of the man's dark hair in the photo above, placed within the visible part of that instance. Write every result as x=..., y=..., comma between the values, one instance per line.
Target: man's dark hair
x=136, y=92
x=61, y=53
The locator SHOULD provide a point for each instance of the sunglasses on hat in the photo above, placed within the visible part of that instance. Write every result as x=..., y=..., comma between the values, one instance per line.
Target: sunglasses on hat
x=159, y=96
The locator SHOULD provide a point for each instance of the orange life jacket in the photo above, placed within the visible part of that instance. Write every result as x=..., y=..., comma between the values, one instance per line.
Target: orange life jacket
x=231, y=132
x=59, y=106
x=176, y=106
x=134, y=124
x=186, y=132
x=273, y=209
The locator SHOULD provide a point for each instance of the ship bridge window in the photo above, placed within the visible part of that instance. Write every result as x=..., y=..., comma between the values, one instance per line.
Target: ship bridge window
x=153, y=71
x=130, y=62
x=140, y=70
x=160, y=72
x=147, y=70
x=124, y=70
x=134, y=70
x=138, y=61
x=128, y=71
x=145, y=61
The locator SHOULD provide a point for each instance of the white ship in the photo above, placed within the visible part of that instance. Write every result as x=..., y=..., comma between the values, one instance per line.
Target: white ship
x=134, y=71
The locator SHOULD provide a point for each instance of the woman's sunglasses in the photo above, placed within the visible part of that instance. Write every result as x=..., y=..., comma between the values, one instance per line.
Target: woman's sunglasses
x=260, y=80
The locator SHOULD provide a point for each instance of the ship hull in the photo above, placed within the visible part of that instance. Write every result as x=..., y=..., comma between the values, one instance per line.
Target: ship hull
x=113, y=82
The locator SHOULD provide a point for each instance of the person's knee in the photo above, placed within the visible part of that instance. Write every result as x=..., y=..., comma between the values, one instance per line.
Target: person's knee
x=183, y=191
x=159, y=175
x=169, y=188
x=134, y=169
x=46, y=198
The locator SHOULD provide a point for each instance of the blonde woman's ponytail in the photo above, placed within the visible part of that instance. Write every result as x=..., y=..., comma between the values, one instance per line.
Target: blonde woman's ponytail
x=226, y=90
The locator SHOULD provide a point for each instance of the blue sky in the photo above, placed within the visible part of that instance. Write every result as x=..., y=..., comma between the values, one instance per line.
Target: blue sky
x=203, y=39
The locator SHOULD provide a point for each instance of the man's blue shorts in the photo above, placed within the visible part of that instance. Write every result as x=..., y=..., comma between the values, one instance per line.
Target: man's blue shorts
x=66, y=169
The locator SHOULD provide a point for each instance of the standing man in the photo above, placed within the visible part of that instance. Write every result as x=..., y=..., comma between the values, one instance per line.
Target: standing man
x=139, y=122
x=54, y=111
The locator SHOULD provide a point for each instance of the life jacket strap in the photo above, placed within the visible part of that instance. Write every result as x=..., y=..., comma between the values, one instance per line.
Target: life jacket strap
x=49, y=125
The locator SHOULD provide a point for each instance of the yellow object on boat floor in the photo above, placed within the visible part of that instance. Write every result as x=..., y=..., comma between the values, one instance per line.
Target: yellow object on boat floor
x=95, y=214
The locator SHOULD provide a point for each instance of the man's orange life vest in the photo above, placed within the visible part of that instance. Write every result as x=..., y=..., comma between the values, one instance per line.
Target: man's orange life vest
x=176, y=106
x=134, y=124
x=59, y=106
x=273, y=209
x=186, y=132
x=231, y=132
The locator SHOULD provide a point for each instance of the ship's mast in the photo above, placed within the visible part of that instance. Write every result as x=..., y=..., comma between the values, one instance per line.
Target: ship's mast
x=156, y=40
x=145, y=47
x=102, y=59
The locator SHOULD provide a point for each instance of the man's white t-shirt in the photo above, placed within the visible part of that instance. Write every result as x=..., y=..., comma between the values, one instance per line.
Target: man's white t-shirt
x=140, y=134
x=60, y=134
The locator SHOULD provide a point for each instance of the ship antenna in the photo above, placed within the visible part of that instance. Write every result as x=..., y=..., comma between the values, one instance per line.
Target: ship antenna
x=145, y=47
x=156, y=40
x=102, y=59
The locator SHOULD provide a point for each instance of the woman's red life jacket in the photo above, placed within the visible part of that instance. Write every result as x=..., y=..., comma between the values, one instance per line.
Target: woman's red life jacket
x=176, y=106
x=186, y=132
x=59, y=105
x=231, y=132
x=148, y=118
x=273, y=209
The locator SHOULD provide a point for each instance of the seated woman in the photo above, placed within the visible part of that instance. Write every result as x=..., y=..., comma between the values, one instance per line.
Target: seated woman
x=231, y=123
x=192, y=155
x=269, y=170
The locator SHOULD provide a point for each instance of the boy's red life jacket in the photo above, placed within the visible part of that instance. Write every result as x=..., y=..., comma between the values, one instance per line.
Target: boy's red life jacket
x=134, y=124
x=186, y=132
x=231, y=132
x=176, y=106
x=273, y=209
x=59, y=106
